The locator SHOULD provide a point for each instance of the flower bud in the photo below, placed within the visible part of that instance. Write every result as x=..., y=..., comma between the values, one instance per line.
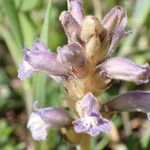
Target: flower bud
x=43, y=118
x=91, y=26
x=115, y=19
x=124, y=69
x=76, y=9
x=71, y=27
x=114, y=22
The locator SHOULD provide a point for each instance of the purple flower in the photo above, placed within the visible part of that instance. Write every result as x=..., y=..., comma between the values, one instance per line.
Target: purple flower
x=90, y=120
x=124, y=69
x=130, y=101
x=40, y=58
x=136, y=100
x=43, y=118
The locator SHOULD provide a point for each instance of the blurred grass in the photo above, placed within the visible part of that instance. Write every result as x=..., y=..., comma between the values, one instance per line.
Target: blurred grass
x=21, y=21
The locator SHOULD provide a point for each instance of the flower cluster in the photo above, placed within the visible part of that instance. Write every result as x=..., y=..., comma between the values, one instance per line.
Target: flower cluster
x=85, y=69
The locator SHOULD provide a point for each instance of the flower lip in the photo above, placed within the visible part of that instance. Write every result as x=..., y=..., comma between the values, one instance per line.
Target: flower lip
x=90, y=120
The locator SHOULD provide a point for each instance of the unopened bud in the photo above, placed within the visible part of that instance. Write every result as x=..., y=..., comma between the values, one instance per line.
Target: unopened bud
x=71, y=27
x=76, y=9
x=91, y=26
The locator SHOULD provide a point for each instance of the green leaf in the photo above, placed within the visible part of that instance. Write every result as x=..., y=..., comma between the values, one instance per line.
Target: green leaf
x=27, y=5
x=28, y=29
x=46, y=24
x=11, y=44
x=40, y=80
x=139, y=16
x=14, y=24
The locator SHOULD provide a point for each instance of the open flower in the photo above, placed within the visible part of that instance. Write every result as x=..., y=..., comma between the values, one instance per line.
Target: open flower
x=44, y=118
x=90, y=120
x=40, y=58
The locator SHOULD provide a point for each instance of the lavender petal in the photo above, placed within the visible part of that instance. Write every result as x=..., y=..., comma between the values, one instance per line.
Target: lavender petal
x=76, y=9
x=71, y=27
x=55, y=117
x=43, y=118
x=124, y=69
x=92, y=125
x=136, y=100
x=90, y=120
x=73, y=57
x=40, y=58
x=115, y=22
x=25, y=70
x=89, y=104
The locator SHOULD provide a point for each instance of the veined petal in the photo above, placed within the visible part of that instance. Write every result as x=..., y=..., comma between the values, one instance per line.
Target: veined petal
x=40, y=59
x=93, y=125
x=43, y=118
x=55, y=117
x=136, y=100
x=90, y=120
x=73, y=56
x=115, y=22
x=115, y=19
x=90, y=104
x=71, y=27
x=124, y=69
x=76, y=9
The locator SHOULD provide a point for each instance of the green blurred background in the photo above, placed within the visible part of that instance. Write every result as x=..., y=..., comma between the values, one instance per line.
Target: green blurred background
x=21, y=22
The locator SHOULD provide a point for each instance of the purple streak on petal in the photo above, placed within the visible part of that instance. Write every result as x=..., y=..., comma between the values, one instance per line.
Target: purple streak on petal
x=136, y=100
x=72, y=55
x=45, y=61
x=79, y=127
x=76, y=9
x=124, y=69
x=102, y=125
x=90, y=104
